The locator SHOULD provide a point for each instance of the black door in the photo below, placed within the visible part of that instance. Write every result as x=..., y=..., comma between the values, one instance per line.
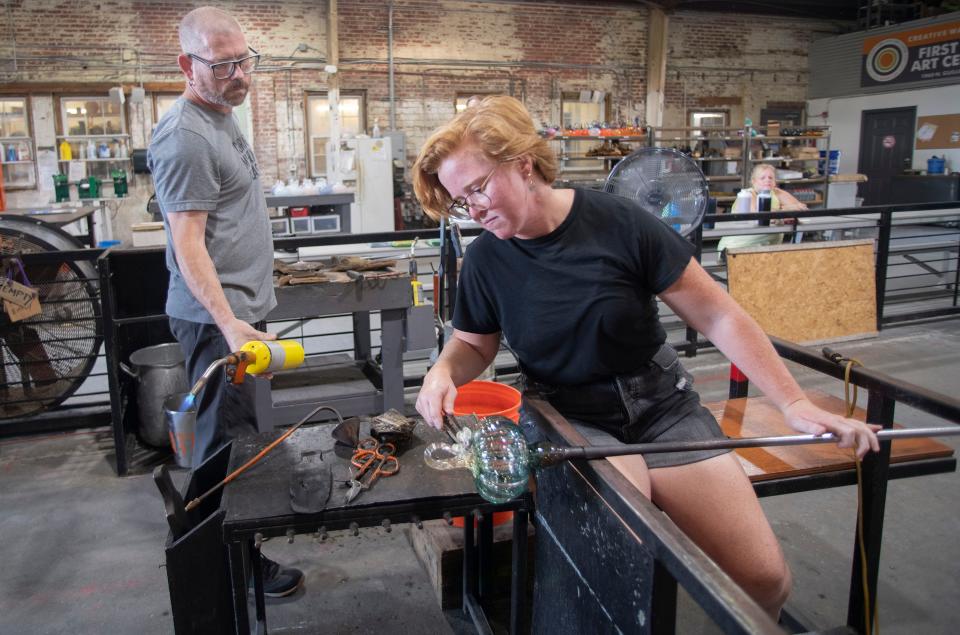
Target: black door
x=886, y=148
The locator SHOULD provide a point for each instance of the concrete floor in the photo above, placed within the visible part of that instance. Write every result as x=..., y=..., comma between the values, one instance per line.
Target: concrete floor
x=82, y=549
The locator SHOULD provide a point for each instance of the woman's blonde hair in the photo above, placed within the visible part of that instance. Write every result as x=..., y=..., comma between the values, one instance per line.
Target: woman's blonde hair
x=500, y=127
x=762, y=167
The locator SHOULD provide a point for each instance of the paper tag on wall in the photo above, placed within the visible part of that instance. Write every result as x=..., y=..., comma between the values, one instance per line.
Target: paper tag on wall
x=16, y=293
x=17, y=312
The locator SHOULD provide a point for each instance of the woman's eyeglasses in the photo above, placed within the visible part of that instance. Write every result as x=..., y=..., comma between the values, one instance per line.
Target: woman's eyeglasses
x=226, y=70
x=477, y=200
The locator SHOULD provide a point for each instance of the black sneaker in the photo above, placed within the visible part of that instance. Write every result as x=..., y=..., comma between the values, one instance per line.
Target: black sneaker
x=278, y=581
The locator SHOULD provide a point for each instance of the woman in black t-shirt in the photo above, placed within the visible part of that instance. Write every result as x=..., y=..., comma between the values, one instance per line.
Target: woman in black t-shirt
x=570, y=278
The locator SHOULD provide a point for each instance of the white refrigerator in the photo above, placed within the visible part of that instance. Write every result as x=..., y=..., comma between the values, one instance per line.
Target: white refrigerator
x=367, y=168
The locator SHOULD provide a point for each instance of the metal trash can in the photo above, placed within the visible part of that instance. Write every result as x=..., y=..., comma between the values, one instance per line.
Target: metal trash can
x=160, y=372
x=180, y=415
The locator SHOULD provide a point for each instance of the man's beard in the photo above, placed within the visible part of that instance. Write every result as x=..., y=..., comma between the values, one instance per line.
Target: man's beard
x=220, y=99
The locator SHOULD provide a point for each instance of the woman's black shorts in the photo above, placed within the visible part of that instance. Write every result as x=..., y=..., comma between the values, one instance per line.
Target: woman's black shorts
x=656, y=403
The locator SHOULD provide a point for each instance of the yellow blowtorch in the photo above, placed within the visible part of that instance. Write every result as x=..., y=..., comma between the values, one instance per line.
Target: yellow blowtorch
x=257, y=357
x=270, y=356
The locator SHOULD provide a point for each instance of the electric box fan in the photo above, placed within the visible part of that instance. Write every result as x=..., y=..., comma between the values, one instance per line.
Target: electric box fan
x=45, y=358
x=664, y=182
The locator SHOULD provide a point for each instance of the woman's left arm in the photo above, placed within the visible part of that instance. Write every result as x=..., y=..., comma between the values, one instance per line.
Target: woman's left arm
x=706, y=307
x=789, y=202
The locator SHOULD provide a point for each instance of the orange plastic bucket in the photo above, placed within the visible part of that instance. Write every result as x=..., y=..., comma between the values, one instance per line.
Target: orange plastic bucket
x=487, y=399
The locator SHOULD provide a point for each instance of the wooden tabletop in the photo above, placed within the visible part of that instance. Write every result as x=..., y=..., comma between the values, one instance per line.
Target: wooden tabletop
x=758, y=417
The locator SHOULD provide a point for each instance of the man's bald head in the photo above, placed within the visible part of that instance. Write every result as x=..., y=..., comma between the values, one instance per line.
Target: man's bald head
x=201, y=25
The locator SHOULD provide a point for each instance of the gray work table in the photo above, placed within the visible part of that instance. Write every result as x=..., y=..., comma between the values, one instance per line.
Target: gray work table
x=354, y=385
x=258, y=502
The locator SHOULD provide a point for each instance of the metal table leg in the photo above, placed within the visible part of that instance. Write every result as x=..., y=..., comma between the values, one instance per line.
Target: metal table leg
x=518, y=582
x=256, y=563
x=238, y=582
x=484, y=554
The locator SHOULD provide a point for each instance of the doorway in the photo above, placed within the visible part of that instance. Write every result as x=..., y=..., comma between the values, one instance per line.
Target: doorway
x=886, y=148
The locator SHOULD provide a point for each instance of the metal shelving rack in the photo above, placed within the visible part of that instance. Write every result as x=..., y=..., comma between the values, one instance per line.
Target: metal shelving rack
x=710, y=149
x=576, y=167
x=746, y=141
x=817, y=137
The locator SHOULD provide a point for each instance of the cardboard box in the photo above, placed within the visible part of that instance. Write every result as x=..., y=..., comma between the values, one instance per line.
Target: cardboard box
x=732, y=152
x=148, y=234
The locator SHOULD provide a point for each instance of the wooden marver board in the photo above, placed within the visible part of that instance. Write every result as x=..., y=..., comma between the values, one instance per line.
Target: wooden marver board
x=811, y=292
x=759, y=417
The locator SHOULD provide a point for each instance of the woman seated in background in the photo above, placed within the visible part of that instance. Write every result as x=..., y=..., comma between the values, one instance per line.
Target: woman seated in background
x=763, y=177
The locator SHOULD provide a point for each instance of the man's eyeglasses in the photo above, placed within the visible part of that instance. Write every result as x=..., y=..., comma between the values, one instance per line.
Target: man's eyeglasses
x=477, y=199
x=226, y=70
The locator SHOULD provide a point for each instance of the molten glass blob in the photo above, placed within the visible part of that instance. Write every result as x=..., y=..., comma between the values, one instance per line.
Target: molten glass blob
x=497, y=454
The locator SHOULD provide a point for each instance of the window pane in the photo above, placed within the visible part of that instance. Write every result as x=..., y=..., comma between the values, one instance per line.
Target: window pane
x=91, y=116
x=708, y=119
x=164, y=102
x=580, y=114
x=13, y=117
x=318, y=126
x=318, y=119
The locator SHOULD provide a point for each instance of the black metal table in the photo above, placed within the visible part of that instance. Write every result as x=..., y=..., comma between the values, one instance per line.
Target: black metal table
x=257, y=505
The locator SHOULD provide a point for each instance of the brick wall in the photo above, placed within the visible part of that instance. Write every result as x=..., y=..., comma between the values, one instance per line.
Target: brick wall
x=529, y=49
x=736, y=62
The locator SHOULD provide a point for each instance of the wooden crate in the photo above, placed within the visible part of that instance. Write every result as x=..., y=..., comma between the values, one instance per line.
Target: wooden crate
x=439, y=547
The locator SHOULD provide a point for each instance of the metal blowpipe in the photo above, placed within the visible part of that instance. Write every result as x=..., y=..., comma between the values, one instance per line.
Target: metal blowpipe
x=548, y=454
x=501, y=461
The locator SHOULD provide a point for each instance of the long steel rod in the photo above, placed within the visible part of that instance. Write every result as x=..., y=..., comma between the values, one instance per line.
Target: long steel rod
x=601, y=451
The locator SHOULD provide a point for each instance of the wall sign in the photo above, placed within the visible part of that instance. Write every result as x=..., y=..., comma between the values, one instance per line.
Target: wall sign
x=930, y=52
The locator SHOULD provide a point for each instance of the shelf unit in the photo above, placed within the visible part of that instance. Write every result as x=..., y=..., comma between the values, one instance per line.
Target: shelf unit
x=717, y=151
x=577, y=168
x=815, y=137
x=76, y=141
x=725, y=155
x=20, y=174
x=744, y=148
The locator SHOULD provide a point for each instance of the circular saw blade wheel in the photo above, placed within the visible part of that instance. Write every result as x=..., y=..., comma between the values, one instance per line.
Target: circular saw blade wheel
x=665, y=183
x=46, y=357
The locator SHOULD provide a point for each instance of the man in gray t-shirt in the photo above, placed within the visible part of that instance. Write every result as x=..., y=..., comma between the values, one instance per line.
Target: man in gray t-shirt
x=219, y=245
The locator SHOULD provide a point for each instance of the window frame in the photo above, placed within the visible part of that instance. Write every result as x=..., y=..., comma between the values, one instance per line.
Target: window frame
x=574, y=150
x=29, y=139
x=465, y=95
x=701, y=131
x=360, y=95
x=155, y=98
x=62, y=120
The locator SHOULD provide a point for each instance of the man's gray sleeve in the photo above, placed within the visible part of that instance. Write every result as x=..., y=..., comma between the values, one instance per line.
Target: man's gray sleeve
x=185, y=173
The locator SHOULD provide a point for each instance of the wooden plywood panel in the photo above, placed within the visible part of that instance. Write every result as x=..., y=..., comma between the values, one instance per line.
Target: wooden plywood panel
x=812, y=292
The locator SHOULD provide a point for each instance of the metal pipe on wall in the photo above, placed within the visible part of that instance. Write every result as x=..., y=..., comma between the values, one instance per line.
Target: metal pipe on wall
x=393, y=107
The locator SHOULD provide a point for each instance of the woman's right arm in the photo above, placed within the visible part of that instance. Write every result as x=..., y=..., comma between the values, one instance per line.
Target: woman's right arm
x=464, y=357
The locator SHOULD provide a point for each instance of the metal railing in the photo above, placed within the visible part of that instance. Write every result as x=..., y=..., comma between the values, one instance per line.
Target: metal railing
x=917, y=257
